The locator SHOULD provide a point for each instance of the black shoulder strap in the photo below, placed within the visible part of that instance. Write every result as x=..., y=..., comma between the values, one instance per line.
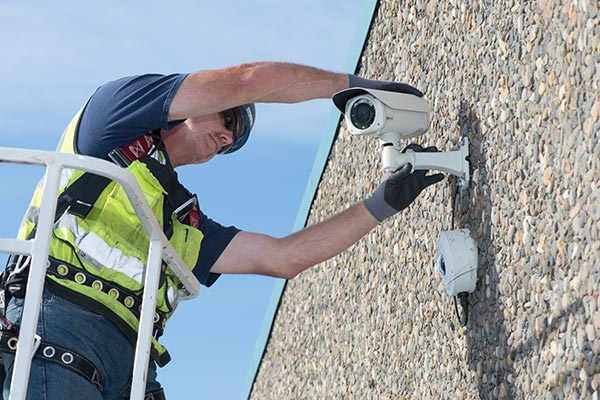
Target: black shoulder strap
x=179, y=200
x=79, y=197
x=177, y=194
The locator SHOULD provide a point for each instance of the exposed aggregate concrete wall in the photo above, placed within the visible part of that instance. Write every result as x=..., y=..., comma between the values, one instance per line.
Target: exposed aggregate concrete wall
x=375, y=322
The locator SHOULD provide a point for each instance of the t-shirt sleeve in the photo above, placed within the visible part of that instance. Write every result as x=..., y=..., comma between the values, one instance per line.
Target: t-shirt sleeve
x=123, y=110
x=216, y=239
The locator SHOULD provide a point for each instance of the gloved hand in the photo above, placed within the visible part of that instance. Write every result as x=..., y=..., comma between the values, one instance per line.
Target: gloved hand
x=357, y=81
x=400, y=189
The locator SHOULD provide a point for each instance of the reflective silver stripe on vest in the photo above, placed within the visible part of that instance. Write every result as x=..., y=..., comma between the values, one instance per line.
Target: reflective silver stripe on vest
x=65, y=177
x=98, y=250
x=32, y=215
x=33, y=212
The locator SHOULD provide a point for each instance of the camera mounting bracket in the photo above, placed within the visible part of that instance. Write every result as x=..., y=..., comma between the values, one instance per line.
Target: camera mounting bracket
x=393, y=116
x=454, y=162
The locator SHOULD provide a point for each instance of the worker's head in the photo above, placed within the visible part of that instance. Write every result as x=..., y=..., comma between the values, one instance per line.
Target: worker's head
x=198, y=139
x=238, y=120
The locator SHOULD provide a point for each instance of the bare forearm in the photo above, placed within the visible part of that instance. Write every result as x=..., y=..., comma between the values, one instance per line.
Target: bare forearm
x=325, y=240
x=291, y=83
x=212, y=91
x=253, y=253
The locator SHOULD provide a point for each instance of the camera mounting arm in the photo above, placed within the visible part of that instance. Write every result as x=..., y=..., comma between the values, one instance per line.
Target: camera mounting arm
x=453, y=162
x=392, y=116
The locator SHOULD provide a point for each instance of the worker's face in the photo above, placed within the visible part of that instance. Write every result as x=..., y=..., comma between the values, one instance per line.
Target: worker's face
x=197, y=140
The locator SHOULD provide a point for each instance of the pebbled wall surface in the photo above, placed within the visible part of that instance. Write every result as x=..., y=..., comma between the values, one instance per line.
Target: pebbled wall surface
x=375, y=322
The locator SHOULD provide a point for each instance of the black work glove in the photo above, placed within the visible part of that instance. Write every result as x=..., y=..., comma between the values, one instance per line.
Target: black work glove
x=357, y=81
x=400, y=189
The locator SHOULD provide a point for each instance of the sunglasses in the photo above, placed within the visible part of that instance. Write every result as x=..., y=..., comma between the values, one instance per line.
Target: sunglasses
x=230, y=121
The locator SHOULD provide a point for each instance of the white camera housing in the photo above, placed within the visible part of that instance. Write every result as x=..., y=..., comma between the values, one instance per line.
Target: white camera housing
x=457, y=261
x=393, y=116
x=379, y=112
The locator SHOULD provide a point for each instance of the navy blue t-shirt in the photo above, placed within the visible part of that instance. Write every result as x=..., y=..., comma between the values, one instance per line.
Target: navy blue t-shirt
x=123, y=110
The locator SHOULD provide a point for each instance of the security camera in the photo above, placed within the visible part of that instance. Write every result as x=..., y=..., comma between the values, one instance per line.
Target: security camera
x=457, y=261
x=393, y=116
x=378, y=112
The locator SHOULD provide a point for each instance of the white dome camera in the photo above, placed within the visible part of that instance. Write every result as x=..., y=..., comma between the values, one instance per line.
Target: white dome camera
x=457, y=261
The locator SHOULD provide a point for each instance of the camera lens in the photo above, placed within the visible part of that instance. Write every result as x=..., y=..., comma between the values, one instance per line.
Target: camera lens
x=362, y=113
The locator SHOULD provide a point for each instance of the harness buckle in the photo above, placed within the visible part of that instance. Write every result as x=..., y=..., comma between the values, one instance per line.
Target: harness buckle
x=119, y=158
x=125, y=155
x=183, y=210
x=37, y=341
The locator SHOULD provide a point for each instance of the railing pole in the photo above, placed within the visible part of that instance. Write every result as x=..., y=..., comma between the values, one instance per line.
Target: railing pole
x=160, y=249
x=35, y=286
x=144, y=341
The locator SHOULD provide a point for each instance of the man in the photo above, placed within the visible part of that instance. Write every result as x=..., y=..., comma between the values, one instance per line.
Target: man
x=151, y=124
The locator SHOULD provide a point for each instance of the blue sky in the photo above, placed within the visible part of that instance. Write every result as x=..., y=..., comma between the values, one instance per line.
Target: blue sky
x=55, y=56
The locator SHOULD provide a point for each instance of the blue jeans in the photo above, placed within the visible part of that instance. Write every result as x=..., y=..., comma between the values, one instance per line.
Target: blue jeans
x=90, y=335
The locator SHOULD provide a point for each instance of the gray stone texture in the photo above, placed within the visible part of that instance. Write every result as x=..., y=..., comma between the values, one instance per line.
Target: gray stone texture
x=375, y=322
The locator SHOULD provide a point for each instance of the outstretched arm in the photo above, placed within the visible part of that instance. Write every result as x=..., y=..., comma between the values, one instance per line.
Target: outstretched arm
x=205, y=92
x=211, y=91
x=254, y=253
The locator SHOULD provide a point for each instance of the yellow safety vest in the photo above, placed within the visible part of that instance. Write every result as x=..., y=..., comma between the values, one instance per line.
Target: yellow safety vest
x=99, y=260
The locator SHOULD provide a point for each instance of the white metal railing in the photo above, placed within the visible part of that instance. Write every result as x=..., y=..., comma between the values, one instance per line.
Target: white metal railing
x=38, y=247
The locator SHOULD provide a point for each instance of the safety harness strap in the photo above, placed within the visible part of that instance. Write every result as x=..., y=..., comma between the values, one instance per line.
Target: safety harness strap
x=183, y=203
x=81, y=195
x=129, y=299
x=65, y=358
x=85, y=301
x=180, y=202
x=54, y=353
x=78, y=199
